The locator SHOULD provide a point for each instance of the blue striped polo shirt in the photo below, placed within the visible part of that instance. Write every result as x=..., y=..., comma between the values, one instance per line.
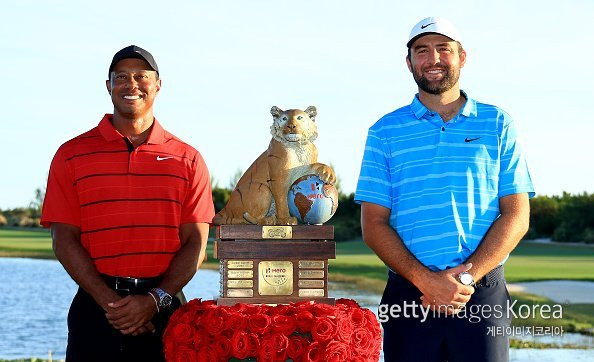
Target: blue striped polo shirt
x=442, y=181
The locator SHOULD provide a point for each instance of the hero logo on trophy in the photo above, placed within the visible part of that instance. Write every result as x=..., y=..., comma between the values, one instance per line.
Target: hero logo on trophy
x=271, y=243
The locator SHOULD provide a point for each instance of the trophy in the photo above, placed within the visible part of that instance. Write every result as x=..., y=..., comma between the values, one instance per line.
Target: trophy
x=271, y=242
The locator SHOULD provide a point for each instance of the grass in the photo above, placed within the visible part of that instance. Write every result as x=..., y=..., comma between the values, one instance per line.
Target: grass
x=577, y=318
x=34, y=243
x=535, y=261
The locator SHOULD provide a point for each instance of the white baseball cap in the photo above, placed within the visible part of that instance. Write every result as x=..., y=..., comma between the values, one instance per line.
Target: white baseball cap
x=433, y=25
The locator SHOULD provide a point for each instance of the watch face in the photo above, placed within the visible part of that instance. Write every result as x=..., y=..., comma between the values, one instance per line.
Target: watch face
x=466, y=278
x=164, y=298
x=166, y=301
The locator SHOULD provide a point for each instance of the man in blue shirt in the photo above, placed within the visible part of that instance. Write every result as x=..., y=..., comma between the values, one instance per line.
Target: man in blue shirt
x=444, y=192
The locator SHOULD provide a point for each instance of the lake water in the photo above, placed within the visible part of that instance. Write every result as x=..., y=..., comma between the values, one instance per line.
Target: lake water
x=36, y=295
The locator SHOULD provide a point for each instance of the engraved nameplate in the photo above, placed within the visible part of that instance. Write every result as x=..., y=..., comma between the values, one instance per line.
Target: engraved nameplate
x=241, y=283
x=240, y=264
x=311, y=284
x=277, y=232
x=240, y=274
x=311, y=274
x=240, y=293
x=311, y=292
x=311, y=264
x=275, y=278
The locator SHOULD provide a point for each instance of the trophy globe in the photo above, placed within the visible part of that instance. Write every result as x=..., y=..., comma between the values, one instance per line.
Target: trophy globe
x=311, y=200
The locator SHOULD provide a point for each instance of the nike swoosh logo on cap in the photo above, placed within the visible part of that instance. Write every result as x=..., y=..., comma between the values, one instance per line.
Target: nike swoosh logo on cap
x=426, y=25
x=159, y=158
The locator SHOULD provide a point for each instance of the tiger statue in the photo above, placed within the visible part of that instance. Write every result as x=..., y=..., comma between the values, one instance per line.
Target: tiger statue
x=260, y=196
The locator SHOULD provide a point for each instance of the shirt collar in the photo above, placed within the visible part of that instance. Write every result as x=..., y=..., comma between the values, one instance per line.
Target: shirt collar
x=108, y=131
x=157, y=134
x=468, y=110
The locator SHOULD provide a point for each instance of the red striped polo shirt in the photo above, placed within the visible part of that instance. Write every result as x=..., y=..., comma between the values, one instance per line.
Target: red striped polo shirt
x=128, y=204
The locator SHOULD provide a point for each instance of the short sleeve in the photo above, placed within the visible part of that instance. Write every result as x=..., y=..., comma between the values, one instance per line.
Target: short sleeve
x=61, y=202
x=374, y=183
x=198, y=205
x=514, y=177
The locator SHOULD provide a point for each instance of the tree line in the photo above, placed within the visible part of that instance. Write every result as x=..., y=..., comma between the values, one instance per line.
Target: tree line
x=564, y=218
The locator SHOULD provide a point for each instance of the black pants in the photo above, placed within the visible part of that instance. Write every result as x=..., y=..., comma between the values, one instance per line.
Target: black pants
x=466, y=337
x=92, y=338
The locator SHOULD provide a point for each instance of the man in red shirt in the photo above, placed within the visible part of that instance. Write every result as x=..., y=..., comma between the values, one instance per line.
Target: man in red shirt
x=129, y=206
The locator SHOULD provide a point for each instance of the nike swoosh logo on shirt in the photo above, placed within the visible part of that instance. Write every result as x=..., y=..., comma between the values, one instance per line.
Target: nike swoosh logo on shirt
x=471, y=139
x=159, y=158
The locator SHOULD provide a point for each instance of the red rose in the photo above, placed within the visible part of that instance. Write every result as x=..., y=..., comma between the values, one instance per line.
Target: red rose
x=267, y=352
x=207, y=354
x=357, y=317
x=362, y=341
x=337, y=352
x=245, y=308
x=297, y=347
x=323, y=310
x=168, y=348
x=181, y=333
x=323, y=329
x=359, y=358
x=305, y=305
x=287, y=310
x=283, y=324
x=200, y=337
x=280, y=343
x=347, y=302
x=208, y=304
x=213, y=322
x=265, y=309
x=259, y=323
x=191, y=316
x=240, y=343
x=315, y=352
x=183, y=354
x=235, y=321
x=344, y=329
x=304, y=320
x=253, y=344
x=222, y=347
x=371, y=321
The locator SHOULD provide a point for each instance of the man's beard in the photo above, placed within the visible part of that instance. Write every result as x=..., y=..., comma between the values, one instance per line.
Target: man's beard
x=450, y=78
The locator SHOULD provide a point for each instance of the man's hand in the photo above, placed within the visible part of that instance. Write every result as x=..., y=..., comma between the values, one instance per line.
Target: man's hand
x=145, y=329
x=442, y=291
x=131, y=313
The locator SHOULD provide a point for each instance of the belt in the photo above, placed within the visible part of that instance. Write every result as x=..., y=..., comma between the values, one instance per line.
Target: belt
x=491, y=277
x=131, y=285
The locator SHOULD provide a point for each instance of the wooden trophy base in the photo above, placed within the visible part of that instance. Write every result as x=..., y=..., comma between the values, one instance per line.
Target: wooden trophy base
x=274, y=264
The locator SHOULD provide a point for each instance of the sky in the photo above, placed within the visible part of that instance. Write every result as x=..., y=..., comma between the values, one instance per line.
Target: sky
x=224, y=64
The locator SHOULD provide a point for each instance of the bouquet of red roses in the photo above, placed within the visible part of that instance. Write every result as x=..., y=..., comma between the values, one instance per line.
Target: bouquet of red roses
x=304, y=331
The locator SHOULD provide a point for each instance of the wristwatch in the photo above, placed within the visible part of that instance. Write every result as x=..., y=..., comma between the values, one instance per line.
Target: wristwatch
x=164, y=298
x=465, y=278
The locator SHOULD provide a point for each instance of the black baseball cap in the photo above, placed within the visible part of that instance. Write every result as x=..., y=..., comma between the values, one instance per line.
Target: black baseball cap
x=133, y=51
